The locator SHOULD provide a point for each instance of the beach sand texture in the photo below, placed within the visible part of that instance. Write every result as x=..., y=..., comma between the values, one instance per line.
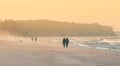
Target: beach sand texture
x=51, y=53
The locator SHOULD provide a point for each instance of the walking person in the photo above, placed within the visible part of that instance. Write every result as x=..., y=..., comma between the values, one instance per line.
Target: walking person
x=32, y=38
x=35, y=38
x=64, y=40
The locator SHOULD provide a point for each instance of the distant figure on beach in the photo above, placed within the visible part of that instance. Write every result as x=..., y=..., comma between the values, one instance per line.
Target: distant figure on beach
x=35, y=38
x=32, y=38
x=65, y=42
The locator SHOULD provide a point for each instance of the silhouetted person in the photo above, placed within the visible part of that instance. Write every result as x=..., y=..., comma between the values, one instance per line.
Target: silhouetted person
x=32, y=38
x=35, y=38
x=64, y=40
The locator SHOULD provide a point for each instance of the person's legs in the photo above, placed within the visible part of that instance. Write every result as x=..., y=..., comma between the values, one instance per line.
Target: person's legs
x=66, y=45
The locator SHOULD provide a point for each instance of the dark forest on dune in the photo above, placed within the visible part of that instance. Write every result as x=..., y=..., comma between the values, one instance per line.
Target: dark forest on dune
x=54, y=28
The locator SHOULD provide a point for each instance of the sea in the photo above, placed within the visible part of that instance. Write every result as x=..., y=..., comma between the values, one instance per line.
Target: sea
x=108, y=44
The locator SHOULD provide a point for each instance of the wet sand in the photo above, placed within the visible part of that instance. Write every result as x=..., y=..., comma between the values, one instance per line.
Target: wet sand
x=50, y=53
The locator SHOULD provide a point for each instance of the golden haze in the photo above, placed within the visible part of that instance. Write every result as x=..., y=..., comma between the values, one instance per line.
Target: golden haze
x=106, y=12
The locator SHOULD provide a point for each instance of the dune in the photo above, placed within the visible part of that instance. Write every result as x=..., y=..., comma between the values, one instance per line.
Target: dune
x=49, y=52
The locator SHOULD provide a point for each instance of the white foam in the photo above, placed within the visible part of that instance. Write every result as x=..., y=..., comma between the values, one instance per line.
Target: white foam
x=102, y=48
x=83, y=45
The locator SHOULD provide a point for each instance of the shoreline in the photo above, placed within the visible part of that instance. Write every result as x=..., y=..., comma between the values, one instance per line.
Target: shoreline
x=51, y=53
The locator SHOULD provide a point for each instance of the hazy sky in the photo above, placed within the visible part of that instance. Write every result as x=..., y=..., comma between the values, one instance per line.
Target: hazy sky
x=106, y=12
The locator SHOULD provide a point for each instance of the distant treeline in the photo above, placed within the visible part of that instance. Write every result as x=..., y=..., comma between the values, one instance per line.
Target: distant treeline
x=54, y=28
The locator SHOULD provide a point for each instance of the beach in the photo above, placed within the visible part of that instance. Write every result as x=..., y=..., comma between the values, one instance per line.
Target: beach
x=51, y=53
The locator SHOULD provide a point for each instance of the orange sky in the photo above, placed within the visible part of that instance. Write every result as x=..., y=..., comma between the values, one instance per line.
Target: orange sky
x=106, y=12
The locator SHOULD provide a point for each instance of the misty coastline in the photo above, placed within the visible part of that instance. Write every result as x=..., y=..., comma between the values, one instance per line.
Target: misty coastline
x=29, y=28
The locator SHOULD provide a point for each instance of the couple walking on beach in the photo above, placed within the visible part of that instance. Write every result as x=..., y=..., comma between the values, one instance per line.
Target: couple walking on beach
x=35, y=38
x=65, y=42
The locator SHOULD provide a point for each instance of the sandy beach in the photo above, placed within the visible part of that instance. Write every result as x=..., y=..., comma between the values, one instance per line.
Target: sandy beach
x=51, y=53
